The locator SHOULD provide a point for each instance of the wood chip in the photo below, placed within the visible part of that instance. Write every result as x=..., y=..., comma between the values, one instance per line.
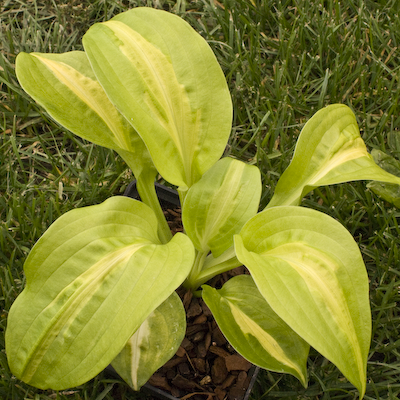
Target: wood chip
x=159, y=381
x=173, y=362
x=181, y=352
x=184, y=369
x=228, y=381
x=199, y=364
x=200, y=319
x=183, y=383
x=206, y=380
x=187, y=344
x=219, y=371
x=238, y=390
x=235, y=362
x=194, y=309
x=221, y=394
x=218, y=351
x=187, y=298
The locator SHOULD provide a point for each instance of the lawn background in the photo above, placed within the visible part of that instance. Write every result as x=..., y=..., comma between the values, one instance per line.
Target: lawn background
x=283, y=61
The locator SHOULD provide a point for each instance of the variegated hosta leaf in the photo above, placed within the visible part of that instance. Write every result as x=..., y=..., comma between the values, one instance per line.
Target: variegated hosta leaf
x=166, y=81
x=310, y=271
x=153, y=344
x=255, y=330
x=329, y=151
x=218, y=205
x=91, y=280
x=388, y=191
x=65, y=85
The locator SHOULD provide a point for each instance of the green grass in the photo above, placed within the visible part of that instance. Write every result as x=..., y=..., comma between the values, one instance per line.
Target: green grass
x=283, y=60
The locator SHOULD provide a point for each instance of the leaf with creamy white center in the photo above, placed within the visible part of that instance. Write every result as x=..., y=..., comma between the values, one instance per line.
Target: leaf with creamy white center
x=164, y=78
x=91, y=280
x=255, y=330
x=65, y=85
x=153, y=344
x=310, y=271
x=329, y=150
x=220, y=203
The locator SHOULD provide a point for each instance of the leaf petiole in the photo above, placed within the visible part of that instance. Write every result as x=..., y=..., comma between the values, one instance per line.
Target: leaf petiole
x=214, y=266
x=147, y=192
x=192, y=279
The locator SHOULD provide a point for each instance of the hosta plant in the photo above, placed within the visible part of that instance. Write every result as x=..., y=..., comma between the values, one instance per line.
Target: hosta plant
x=100, y=282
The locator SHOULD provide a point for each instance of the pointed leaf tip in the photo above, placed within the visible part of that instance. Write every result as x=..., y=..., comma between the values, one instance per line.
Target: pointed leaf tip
x=255, y=330
x=309, y=269
x=329, y=150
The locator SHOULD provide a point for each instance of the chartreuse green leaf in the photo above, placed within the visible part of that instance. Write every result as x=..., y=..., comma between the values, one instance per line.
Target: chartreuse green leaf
x=329, y=151
x=388, y=191
x=91, y=280
x=220, y=203
x=164, y=78
x=65, y=85
x=309, y=269
x=255, y=330
x=153, y=344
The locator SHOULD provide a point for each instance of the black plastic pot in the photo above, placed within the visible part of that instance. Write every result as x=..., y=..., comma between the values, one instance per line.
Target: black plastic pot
x=164, y=193
x=169, y=199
